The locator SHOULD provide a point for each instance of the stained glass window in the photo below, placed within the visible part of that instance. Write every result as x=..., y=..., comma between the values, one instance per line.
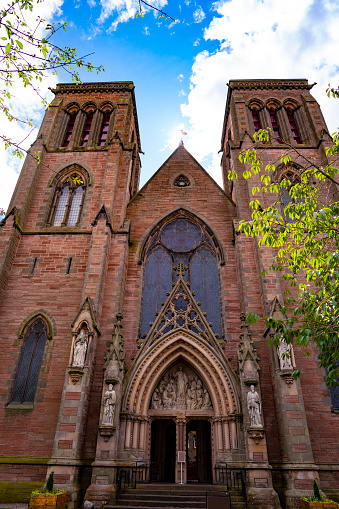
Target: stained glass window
x=187, y=241
x=158, y=281
x=205, y=284
x=181, y=236
x=30, y=363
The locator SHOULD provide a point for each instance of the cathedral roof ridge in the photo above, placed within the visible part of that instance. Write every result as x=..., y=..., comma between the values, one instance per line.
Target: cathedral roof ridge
x=181, y=147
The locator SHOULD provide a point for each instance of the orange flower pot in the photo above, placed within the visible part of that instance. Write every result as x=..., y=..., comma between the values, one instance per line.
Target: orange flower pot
x=304, y=504
x=50, y=500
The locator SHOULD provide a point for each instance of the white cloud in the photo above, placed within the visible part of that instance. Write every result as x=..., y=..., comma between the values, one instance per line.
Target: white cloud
x=91, y=3
x=182, y=93
x=180, y=77
x=175, y=135
x=197, y=42
x=25, y=104
x=146, y=31
x=125, y=10
x=270, y=39
x=198, y=15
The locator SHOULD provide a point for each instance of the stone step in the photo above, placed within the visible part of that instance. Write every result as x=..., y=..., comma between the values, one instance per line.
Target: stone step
x=171, y=497
x=157, y=503
x=146, y=495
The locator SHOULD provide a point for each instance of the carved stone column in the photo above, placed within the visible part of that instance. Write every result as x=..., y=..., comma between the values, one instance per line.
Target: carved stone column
x=181, y=447
x=260, y=486
x=297, y=469
x=102, y=488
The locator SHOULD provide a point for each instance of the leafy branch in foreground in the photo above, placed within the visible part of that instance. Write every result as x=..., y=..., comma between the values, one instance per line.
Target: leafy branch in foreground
x=26, y=58
x=162, y=14
x=301, y=224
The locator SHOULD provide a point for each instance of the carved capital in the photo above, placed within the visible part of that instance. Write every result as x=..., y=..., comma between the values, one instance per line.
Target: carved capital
x=106, y=432
x=287, y=376
x=75, y=374
x=256, y=434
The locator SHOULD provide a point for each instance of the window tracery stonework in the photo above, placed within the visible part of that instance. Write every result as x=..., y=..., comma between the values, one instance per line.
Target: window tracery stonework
x=182, y=181
x=68, y=199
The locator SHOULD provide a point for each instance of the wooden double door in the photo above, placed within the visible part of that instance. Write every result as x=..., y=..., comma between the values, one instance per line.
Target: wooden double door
x=164, y=452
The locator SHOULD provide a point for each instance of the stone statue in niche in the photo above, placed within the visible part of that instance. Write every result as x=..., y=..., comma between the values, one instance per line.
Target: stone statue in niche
x=181, y=389
x=80, y=349
x=284, y=355
x=254, y=407
x=110, y=398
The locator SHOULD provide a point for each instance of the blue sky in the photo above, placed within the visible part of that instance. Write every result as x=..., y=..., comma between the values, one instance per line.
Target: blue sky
x=180, y=70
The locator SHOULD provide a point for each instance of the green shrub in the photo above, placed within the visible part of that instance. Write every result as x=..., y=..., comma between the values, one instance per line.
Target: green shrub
x=50, y=482
x=316, y=491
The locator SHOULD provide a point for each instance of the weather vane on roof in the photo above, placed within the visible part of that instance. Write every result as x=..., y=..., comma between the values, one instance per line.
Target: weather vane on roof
x=183, y=133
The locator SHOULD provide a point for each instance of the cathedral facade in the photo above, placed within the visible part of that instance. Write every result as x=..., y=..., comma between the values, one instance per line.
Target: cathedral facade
x=122, y=310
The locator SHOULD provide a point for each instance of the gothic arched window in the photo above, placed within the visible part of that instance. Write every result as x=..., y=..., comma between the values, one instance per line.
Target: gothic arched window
x=182, y=239
x=291, y=115
x=291, y=178
x=28, y=371
x=69, y=129
x=68, y=200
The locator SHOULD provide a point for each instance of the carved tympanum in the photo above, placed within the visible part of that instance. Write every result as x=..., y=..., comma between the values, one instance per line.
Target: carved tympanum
x=181, y=389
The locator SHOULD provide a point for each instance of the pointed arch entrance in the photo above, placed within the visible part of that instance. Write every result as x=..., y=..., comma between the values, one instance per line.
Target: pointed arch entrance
x=185, y=378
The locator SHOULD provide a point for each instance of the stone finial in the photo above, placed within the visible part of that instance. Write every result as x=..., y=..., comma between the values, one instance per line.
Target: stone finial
x=247, y=355
x=115, y=356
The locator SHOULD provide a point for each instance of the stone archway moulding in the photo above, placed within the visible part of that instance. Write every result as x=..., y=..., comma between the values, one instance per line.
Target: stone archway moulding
x=180, y=345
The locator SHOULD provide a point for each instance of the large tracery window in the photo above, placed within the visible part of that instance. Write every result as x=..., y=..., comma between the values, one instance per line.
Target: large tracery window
x=182, y=239
x=29, y=366
x=68, y=200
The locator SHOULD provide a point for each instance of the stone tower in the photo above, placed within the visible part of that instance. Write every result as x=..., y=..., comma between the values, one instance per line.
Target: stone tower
x=297, y=444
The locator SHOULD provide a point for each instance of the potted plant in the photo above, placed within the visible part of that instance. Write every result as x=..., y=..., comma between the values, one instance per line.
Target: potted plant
x=48, y=497
x=317, y=501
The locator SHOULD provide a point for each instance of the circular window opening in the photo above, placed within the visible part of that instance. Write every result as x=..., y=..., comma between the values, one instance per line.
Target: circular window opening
x=181, y=181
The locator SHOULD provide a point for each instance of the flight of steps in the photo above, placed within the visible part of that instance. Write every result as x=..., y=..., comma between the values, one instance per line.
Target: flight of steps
x=164, y=496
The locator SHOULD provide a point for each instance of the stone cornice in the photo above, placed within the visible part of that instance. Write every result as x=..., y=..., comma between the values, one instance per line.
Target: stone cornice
x=104, y=86
x=270, y=84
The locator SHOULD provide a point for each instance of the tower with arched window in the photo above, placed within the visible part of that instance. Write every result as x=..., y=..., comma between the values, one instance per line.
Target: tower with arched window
x=124, y=345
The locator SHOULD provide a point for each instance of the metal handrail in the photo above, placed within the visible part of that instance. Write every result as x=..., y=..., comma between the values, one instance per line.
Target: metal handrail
x=233, y=478
x=129, y=476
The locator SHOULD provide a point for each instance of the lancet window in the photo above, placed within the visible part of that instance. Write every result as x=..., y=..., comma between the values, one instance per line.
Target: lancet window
x=28, y=371
x=286, y=192
x=187, y=240
x=69, y=129
x=68, y=200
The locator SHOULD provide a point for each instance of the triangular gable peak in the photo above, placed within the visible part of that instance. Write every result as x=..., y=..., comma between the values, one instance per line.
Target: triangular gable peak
x=181, y=151
x=86, y=314
x=275, y=313
x=181, y=312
